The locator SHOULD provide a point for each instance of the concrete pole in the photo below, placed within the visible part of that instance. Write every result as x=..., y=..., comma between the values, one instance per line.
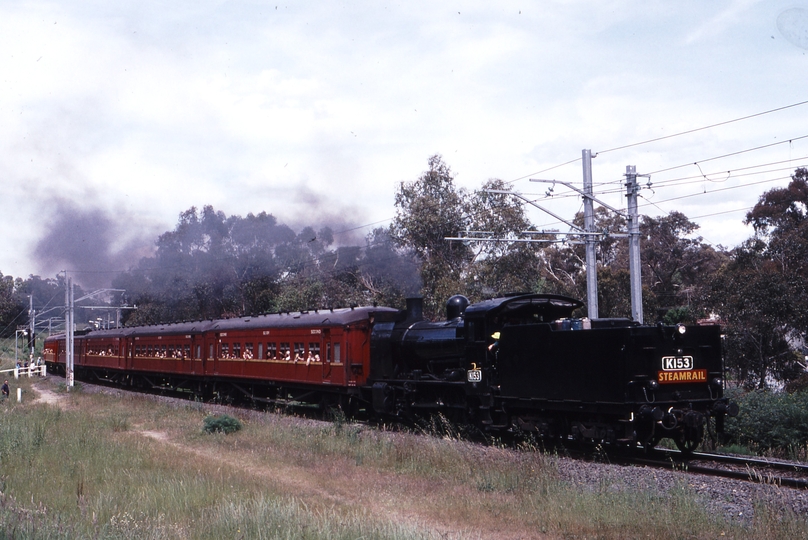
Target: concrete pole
x=590, y=240
x=634, y=263
x=69, y=331
x=32, y=325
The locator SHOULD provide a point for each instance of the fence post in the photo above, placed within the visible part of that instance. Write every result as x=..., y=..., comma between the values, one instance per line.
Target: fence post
x=19, y=395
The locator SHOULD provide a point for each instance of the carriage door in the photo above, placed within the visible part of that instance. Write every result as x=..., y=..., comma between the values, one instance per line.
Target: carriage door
x=325, y=354
x=197, y=348
x=119, y=349
x=216, y=351
x=130, y=353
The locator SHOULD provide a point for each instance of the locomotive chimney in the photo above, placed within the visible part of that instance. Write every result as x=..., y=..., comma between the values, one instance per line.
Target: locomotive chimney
x=415, y=309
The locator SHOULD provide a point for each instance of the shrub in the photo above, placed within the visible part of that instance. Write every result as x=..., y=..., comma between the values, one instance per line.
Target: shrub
x=770, y=421
x=221, y=423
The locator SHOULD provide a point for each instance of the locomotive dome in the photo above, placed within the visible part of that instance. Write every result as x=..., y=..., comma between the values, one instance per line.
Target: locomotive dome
x=456, y=307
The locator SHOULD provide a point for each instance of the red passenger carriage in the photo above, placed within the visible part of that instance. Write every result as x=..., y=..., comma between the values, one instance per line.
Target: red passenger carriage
x=316, y=356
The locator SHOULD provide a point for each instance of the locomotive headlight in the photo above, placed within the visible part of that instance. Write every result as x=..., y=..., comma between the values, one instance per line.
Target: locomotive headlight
x=681, y=329
x=652, y=385
x=717, y=383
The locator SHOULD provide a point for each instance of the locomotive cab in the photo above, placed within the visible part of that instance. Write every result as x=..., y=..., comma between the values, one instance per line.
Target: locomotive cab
x=487, y=323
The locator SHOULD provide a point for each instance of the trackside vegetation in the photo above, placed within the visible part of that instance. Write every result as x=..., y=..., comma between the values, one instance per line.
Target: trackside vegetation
x=221, y=423
x=770, y=423
x=114, y=465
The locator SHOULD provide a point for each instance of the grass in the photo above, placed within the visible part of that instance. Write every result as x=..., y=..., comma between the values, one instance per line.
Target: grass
x=108, y=465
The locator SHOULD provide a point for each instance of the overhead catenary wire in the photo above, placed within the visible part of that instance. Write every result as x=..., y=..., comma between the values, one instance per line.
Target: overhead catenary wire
x=656, y=139
x=729, y=155
x=703, y=128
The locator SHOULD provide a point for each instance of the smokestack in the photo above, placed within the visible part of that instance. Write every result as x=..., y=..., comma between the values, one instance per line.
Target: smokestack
x=415, y=309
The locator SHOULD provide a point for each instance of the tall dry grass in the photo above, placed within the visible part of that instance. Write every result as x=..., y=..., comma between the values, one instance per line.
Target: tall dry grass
x=126, y=466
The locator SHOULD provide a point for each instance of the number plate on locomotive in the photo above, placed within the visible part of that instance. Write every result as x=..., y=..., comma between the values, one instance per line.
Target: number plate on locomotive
x=677, y=363
x=474, y=375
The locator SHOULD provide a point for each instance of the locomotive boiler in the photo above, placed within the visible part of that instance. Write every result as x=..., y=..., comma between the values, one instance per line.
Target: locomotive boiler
x=518, y=362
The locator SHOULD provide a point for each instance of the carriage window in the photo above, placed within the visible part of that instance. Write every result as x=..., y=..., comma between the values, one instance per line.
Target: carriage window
x=225, y=351
x=260, y=351
x=198, y=352
x=236, y=350
x=248, y=351
x=337, y=359
x=149, y=352
x=187, y=349
x=285, y=354
x=300, y=351
x=314, y=351
x=328, y=352
x=210, y=351
x=171, y=351
x=164, y=351
x=272, y=351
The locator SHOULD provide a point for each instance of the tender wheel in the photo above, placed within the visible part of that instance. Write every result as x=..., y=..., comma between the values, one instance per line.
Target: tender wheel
x=649, y=444
x=687, y=446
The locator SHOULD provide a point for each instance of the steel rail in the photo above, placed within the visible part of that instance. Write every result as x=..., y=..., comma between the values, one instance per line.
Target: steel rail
x=754, y=469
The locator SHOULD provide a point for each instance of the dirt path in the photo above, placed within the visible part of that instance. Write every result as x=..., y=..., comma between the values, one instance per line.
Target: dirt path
x=46, y=395
x=402, y=499
x=398, y=498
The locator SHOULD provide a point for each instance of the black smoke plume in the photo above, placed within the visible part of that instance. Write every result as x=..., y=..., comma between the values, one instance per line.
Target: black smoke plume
x=90, y=243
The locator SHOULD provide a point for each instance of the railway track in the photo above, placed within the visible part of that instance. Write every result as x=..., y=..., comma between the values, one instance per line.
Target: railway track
x=764, y=471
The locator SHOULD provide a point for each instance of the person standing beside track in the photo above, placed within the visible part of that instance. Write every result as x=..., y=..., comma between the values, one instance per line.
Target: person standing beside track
x=5, y=389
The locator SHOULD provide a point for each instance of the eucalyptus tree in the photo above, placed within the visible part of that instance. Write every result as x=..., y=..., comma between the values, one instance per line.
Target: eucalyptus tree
x=762, y=294
x=428, y=210
x=503, y=266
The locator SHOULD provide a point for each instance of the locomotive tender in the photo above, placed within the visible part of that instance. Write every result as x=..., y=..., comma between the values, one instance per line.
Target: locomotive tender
x=516, y=362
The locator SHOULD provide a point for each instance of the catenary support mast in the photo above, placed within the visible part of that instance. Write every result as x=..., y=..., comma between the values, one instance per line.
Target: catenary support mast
x=634, y=265
x=590, y=241
x=69, y=327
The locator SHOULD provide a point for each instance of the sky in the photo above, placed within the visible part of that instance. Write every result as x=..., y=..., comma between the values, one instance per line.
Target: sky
x=115, y=117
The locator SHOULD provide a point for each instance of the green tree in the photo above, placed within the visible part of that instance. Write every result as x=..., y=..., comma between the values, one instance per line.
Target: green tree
x=780, y=220
x=761, y=292
x=504, y=266
x=676, y=265
x=756, y=302
x=428, y=210
x=12, y=309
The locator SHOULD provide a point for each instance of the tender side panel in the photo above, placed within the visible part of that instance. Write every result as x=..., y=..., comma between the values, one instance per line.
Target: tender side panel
x=535, y=361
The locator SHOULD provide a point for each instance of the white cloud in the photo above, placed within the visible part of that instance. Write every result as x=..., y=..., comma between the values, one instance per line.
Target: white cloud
x=317, y=111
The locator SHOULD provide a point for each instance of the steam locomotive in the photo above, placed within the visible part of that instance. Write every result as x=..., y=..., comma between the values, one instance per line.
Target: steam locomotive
x=518, y=362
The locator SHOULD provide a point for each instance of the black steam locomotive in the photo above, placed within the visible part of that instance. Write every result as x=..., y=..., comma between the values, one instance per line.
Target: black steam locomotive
x=519, y=362
x=522, y=362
